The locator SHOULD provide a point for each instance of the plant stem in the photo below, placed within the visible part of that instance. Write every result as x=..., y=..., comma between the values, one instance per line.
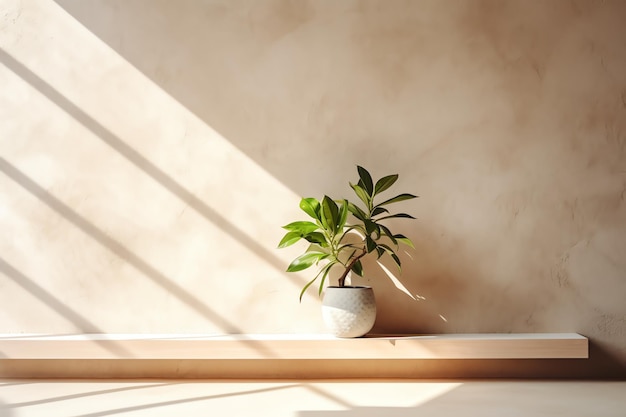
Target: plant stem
x=342, y=278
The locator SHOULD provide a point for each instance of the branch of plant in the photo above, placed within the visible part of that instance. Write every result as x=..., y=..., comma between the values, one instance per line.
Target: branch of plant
x=342, y=278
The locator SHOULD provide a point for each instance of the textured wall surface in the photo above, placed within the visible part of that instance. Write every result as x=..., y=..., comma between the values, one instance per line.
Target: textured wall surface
x=151, y=150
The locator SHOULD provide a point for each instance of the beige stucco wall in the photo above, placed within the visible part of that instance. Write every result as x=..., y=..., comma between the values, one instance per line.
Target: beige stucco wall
x=150, y=152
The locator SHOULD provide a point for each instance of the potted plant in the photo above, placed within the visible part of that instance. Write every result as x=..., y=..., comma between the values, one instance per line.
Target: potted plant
x=337, y=243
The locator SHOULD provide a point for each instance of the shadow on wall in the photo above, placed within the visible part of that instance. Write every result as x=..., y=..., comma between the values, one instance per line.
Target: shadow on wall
x=112, y=245
x=256, y=73
x=286, y=82
x=446, y=293
x=115, y=247
x=80, y=322
x=139, y=161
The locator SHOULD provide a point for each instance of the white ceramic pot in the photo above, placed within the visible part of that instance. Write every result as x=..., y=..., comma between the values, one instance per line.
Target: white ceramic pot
x=349, y=311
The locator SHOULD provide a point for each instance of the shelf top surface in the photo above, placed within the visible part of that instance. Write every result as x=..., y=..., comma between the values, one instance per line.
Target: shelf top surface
x=284, y=337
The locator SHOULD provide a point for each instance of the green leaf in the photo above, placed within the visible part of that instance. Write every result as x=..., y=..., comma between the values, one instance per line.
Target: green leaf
x=316, y=237
x=326, y=270
x=330, y=214
x=384, y=183
x=370, y=244
x=302, y=227
x=306, y=287
x=305, y=260
x=387, y=249
x=289, y=239
x=343, y=236
x=397, y=198
x=311, y=207
x=405, y=240
x=357, y=268
x=359, y=229
x=362, y=194
x=397, y=260
x=372, y=228
x=343, y=216
x=357, y=212
x=393, y=255
x=366, y=180
x=388, y=233
x=399, y=215
x=379, y=210
x=380, y=251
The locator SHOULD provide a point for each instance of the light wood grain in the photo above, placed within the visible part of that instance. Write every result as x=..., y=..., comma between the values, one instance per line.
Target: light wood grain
x=296, y=346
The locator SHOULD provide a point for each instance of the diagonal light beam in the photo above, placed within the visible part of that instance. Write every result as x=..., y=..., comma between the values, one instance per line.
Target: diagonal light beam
x=143, y=163
x=51, y=301
x=122, y=252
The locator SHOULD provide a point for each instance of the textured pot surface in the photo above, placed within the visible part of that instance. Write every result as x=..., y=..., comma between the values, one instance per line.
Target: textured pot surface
x=349, y=311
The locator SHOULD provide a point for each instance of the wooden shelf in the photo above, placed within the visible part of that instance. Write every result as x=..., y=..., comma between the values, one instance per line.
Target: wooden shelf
x=293, y=347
